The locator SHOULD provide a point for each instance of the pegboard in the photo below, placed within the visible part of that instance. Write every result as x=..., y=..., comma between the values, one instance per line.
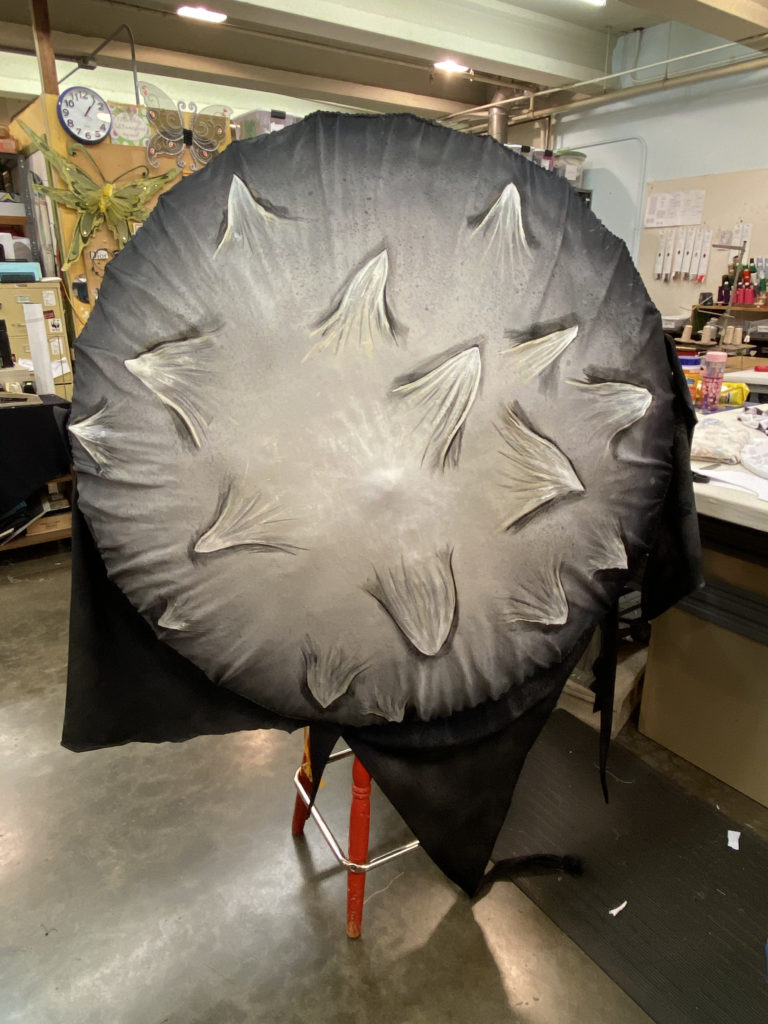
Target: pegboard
x=729, y=198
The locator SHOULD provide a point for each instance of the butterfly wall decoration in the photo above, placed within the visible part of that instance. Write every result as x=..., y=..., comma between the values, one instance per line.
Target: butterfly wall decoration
x=178, y=127
x=98, y=203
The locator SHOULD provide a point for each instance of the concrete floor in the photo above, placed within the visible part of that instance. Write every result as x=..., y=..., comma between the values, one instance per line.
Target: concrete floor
x=160, y=884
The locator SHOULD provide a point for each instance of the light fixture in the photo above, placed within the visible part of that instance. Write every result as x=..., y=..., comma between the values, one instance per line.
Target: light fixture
x=594, y=3
x=450, y=65
x=202, y=14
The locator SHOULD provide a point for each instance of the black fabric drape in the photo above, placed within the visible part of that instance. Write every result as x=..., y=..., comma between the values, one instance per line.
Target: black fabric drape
x=31, y=449
x=673, y=568
x=123, y=683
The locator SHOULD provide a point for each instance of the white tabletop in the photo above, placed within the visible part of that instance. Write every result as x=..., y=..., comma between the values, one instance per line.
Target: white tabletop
x=756, y=377
x=730, y=504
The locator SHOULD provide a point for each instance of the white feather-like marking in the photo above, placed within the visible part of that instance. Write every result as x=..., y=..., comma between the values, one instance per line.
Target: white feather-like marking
x=244, y=522
x=604, y=547
x=446, y=395
x=99, y=435
x=503, y=227
x=361, y=318
x=420, y=597
x=177, y=373
x=330, y=673
x=541, y=597
x=173, y=618
x=612, y=406
x=381, y=701
x=529, y=359
x=246, y=219
x=536, y=472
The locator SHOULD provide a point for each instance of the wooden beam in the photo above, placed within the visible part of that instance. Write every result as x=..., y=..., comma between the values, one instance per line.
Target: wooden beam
x=46, y=58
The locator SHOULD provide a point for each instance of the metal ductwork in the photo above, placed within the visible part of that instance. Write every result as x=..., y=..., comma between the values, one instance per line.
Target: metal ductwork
x=498, y=118
x=503, y=109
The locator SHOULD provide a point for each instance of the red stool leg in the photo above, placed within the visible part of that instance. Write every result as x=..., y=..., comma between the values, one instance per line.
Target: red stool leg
x=359, y=827
x=300, y=809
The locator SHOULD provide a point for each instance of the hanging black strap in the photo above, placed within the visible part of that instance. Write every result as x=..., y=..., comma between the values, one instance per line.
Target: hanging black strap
x=604, y=686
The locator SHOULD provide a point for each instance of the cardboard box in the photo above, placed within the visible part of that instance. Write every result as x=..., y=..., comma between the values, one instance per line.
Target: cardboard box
x=705, y=695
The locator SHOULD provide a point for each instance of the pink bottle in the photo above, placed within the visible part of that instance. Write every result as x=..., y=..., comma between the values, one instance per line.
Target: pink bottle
x=712, y=372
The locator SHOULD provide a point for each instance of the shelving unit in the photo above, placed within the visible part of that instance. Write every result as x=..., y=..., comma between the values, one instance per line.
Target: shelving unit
x=57, y=526
x=19, y=215
x=700, y=314
x=53, y=526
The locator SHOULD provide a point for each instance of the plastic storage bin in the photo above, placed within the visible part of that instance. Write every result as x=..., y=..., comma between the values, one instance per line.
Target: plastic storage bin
x=569, y=164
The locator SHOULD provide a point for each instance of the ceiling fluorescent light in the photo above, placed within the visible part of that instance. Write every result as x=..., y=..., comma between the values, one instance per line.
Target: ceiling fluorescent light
x=594, y=3
x=450, y=65
x=202, y=14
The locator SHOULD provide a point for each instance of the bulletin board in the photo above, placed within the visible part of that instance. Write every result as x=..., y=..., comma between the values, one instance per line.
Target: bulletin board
x=728, y=199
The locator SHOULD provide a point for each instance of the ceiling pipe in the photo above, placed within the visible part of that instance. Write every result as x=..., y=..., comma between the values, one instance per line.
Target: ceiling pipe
x=575, y=86
x=694, y=78
x=498, y=119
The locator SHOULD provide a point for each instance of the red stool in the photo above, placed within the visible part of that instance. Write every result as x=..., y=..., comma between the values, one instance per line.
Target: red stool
x=356, y=861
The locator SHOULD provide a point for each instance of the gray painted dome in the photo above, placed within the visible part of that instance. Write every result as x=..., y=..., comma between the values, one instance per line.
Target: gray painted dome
x=370, y=419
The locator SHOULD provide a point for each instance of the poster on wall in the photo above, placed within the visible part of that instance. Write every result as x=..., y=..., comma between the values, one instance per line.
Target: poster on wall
x=674, y=209
x=129, y=125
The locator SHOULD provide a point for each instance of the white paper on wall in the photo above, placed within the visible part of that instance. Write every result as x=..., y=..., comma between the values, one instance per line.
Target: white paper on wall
x=673, y=209
x=661, y=246
x=677, y=258
x=706, y=245
x=656, y=210
x=59, y=367
x=696, y=254
x=690, y=238
x=669, y=252
x=693, y=206
x=38, y=348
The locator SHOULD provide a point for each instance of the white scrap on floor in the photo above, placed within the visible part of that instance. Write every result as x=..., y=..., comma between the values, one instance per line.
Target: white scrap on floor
x=733, y=839
x=617, y=910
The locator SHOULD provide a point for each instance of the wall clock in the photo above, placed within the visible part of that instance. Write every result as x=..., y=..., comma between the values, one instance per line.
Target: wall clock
x=84, y=115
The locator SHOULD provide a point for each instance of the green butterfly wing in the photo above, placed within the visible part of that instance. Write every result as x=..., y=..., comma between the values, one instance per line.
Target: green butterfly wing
x=78, y=181
x=132, y=199
x=115, y=205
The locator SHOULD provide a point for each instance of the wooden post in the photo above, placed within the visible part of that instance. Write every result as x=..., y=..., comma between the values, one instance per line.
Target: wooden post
x=46, y=58
x=359, y=829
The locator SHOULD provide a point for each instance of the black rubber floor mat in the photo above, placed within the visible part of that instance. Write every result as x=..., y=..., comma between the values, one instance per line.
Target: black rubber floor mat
x=689, y=946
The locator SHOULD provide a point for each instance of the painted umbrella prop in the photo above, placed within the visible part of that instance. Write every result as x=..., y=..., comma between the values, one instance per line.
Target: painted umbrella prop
x=372, y=420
